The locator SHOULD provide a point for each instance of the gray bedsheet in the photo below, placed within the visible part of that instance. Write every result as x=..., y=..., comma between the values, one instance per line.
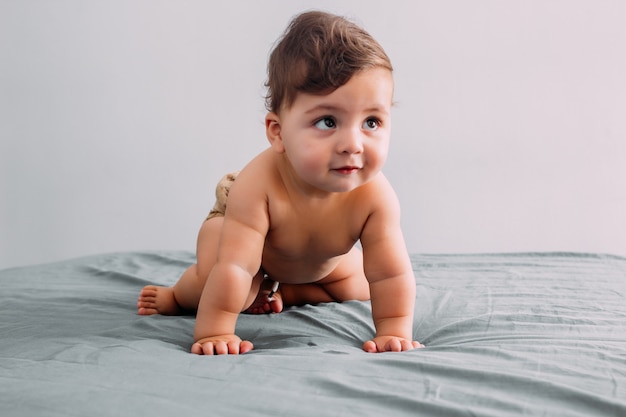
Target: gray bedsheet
x=516, y=334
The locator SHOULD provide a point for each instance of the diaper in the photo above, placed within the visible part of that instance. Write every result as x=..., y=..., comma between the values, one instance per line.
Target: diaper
x=221, y=195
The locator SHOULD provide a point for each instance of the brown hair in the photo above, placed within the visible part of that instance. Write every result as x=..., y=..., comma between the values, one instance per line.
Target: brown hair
x=318, y=53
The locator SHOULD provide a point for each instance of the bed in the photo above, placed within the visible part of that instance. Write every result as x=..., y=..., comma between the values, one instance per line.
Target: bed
x=528, y=334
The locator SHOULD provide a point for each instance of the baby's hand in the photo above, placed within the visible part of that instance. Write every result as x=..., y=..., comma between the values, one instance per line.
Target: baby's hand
x=390, y=344
x=228, y=344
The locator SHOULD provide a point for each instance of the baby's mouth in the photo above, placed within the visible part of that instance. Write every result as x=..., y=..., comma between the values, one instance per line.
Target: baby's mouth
x=346, y=169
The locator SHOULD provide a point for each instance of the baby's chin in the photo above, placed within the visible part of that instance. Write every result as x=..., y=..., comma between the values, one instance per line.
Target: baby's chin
x=337, y=182
x=350, y=182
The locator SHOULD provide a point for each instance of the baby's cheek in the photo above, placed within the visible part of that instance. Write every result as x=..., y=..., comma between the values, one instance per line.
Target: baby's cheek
x=313, y=164
x=375, y=162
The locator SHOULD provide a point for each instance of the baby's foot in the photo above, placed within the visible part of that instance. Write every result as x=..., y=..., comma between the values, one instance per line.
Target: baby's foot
x=263, y=304
x=157, y=300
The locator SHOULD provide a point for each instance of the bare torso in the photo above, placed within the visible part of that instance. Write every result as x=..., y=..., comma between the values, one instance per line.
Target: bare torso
x=307, y=234
x=313, y=247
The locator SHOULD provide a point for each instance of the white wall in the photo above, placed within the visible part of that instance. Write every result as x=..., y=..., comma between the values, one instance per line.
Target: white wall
x=117, y=118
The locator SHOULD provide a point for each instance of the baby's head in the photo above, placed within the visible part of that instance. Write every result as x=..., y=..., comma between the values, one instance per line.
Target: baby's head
x=318, y=53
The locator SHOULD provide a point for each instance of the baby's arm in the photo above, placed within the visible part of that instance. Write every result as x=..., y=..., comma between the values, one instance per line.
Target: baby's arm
x=222, y=300
x=390, y=274
x=229, y=283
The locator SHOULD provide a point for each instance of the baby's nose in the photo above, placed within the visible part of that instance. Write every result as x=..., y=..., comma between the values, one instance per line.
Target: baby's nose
x=351, y=141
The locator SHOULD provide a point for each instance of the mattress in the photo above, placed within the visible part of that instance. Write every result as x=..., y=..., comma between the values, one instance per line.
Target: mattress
x=532, y=334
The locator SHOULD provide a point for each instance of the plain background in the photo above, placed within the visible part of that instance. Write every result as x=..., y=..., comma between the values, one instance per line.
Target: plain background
x=118, y=117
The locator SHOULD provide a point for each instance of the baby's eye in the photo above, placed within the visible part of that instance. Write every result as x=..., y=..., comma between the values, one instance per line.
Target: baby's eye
x=371, y=124
x=326, y=123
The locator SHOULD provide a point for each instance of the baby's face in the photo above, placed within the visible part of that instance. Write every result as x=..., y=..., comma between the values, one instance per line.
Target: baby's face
x=339, y=141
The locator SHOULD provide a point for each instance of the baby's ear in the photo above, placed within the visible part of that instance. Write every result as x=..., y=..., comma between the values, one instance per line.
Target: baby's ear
x=272, y=130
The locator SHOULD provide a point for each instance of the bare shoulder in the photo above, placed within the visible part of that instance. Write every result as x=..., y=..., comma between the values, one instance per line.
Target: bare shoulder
x=382, y=199
x=255, y=170
x=247, y=199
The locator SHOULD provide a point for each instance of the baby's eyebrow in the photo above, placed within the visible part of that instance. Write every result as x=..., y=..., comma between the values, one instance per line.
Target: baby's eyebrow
x=330, y=108
x=325, y=108
x=376, y=109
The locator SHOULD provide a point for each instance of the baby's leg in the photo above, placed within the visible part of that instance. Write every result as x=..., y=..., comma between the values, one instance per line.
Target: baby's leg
x=259, y=302
x=161, y=300
x=185, y=294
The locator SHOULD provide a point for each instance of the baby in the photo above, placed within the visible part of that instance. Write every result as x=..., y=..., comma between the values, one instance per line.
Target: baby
x=296, y=211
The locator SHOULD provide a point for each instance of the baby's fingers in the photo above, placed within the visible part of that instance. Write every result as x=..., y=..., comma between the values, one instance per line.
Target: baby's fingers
x=401, y=345
x=245, y=346
x=202, y=348
x=394, y=345
x=370, y=347
x=390, y=344
x=409, y=345
x=221, y=347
